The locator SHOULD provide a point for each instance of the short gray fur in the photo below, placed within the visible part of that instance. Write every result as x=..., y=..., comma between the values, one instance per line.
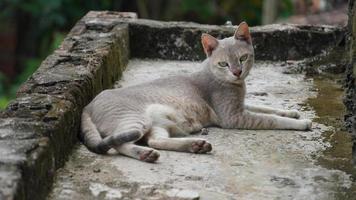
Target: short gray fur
x=180, y=105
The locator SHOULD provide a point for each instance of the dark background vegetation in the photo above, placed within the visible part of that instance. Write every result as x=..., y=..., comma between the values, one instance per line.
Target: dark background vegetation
x=31, y=29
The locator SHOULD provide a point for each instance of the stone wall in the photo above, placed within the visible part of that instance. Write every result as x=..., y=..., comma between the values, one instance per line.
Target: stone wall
x=39, y=128
x=350, y=98
x=181, y=40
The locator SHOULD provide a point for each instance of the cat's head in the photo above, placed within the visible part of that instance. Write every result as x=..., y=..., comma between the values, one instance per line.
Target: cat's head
x=230, y=59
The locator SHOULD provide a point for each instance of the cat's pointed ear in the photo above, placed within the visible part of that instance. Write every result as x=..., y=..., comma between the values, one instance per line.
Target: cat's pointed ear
x=243, y=33
x=209, y=43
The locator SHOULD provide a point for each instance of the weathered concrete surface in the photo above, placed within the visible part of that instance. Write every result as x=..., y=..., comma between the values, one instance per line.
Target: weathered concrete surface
x=350, y=99
x=39, y=128
x=181, y=40
x=244, y=164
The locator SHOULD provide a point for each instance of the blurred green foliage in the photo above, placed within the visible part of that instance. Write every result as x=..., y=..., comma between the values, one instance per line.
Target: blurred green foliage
x=42, y=24
x=46, y=22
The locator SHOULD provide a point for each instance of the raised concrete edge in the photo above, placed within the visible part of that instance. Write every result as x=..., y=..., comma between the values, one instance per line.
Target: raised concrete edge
x=181, y=40
x=39, y=128
x=350, y=84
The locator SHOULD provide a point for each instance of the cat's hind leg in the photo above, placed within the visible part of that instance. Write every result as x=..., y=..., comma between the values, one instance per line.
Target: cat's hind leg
x=253, y=120
x=138, y=152
x=124, y=138
x=159, y=139
x=283, y=113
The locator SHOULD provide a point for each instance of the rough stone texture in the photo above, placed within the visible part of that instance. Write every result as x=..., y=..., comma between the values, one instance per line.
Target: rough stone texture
x=350, y=99
x=244, y=164
x=181, y=40
x=38, y=128
x=332, y=60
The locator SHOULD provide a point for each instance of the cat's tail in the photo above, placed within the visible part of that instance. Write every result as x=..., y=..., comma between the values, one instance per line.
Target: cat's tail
x=95, y=143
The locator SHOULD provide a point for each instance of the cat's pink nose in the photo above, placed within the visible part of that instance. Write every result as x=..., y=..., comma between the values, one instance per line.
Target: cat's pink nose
x=237, y=73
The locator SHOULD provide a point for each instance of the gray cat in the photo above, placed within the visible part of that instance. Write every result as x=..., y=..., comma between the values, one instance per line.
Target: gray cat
x=177, y=106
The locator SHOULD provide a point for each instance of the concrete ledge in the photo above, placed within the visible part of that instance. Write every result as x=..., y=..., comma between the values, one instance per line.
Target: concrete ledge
x=181, y=40
x=350, y=91
x=38, y=129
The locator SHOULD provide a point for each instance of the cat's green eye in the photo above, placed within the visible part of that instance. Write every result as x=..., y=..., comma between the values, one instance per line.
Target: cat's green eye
x=243, y=58
x=223, y=64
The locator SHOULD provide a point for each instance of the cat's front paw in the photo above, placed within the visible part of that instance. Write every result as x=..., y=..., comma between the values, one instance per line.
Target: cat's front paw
x=307, y=124
x=200, y=146
x=149, y=155
x=291, y=114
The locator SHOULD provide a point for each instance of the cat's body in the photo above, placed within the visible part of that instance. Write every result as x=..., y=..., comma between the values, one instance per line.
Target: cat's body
x=180, y=105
